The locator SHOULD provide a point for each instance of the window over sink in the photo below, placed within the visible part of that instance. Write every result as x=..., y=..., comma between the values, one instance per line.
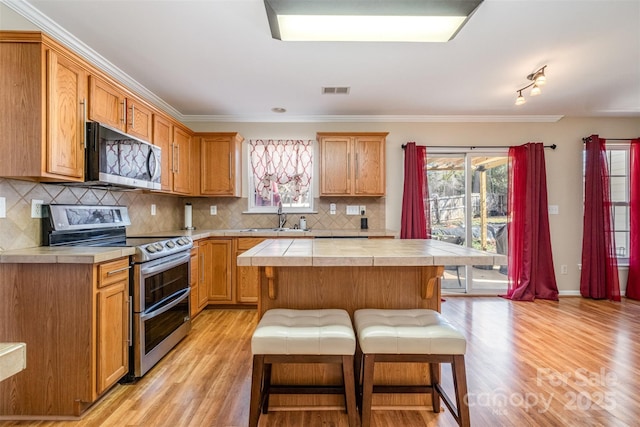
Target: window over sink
x=280, y=171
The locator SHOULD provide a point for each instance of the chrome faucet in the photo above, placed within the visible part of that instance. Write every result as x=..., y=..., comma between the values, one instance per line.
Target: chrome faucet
x=282, y=217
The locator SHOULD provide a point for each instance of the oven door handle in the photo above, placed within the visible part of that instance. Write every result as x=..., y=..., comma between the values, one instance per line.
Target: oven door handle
x=181, y=296
x=163, y=264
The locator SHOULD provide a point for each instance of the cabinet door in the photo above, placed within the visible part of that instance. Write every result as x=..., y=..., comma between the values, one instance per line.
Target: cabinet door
x=112, y=334
x=181, y=157
x=139, y=120
x=194, y=282
x=247, y=278
x=369, y=166
x=335, y=166
x=220, y=176
x=162, y=136
x=67, y=92
x=217, y=269
x=107, y=104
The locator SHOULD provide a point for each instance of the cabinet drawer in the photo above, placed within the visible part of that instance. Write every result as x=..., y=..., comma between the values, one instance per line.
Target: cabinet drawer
x=113, y=272
x=245, y=243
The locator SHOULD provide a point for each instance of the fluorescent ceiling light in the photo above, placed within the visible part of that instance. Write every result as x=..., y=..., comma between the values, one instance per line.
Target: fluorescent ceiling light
x=368, y=20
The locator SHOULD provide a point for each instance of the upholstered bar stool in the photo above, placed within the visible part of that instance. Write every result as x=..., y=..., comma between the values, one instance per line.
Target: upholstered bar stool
x=417, y=335
x=301, y=336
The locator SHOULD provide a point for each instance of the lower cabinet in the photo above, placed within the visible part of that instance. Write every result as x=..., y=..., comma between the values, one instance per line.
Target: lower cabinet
x=74, y=319
x=247, y=278
x=220, y=281
x=215, y=255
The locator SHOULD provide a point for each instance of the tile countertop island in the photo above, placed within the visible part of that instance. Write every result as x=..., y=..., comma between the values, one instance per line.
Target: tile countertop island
x=353, y=274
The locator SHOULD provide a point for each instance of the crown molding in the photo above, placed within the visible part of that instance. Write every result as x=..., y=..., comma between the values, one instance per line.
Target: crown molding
x=372, y=118
x=60, y=34
x=54, y=30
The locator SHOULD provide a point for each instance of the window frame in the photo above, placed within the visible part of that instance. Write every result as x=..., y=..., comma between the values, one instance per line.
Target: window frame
x=626, y=204
x=251, y=188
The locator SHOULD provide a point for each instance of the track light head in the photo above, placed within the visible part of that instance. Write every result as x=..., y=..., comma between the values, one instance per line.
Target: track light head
x=537, y=79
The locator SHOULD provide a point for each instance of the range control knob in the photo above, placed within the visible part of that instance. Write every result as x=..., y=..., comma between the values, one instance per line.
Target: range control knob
x=180, y=242
x=150, y=248
x=170, y=244
x=158, y=246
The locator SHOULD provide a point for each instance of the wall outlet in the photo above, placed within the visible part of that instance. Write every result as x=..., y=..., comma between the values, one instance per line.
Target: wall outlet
x=213, y=210
x=363, y=210
x=353, y=210
x=332, y=209
x=36, y=208
x=3, y=207
x=563, y=269
x=153, y=209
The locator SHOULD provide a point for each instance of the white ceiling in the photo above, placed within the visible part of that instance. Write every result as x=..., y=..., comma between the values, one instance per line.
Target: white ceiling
x=215, y=59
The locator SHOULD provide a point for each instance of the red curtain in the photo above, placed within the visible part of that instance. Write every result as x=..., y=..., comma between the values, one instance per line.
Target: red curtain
x=599, y=277
x=530, y=273
x=633, y=281
x=415, y=206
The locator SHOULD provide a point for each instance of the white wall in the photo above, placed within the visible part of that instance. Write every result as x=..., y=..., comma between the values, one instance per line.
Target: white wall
x=564, y=165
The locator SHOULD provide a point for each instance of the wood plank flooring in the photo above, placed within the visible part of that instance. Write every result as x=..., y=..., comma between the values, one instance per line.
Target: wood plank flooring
x=575, y=362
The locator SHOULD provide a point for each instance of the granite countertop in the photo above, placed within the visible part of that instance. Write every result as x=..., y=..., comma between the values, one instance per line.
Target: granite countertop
x=359, y=252
x=13, y=359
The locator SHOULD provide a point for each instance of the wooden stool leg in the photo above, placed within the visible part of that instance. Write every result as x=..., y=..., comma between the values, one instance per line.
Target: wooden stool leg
x=460, y=385
x=358, y=376
x=434, y=372
x=349, y=390
x=266, y=389
x=256, y=390
x=367, y=389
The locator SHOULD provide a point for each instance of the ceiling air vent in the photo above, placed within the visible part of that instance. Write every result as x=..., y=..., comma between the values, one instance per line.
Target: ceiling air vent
x=336, y=90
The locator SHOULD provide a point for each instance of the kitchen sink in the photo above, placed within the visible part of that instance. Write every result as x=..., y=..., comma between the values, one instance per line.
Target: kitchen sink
x=273, y=229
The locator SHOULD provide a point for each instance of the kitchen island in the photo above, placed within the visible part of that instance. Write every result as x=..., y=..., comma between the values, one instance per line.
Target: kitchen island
x=353, y=274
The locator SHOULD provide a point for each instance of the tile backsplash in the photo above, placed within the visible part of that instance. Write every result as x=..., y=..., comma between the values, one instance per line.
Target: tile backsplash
x=18, y=230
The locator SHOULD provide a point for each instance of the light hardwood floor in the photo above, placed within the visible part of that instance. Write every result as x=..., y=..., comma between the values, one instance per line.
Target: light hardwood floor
x=575, y=362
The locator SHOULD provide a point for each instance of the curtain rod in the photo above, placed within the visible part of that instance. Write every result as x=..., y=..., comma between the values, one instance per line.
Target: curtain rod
x=608, y=139
x=552, y=146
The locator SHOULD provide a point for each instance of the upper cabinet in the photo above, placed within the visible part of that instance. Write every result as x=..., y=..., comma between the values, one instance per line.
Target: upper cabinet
x=177, y=175
x=110, y=106
x=220, y=167
x=352, y=164
x=181, y=161
x=42, y=109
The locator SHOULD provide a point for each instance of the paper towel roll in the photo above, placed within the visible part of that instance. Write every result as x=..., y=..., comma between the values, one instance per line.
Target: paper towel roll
x=188, y=217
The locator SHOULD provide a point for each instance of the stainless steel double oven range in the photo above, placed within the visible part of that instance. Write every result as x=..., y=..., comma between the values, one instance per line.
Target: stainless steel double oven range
x=159, y=280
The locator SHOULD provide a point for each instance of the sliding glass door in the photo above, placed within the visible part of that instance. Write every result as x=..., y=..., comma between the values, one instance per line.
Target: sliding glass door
x=468, y=204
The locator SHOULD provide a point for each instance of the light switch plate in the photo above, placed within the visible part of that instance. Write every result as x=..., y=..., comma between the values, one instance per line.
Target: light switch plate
x=554, y=209
x=153, y=209
x=3, y=207
x=353, y=210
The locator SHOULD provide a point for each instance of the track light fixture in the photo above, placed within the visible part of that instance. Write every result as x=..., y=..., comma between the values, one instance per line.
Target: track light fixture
x=537, y=79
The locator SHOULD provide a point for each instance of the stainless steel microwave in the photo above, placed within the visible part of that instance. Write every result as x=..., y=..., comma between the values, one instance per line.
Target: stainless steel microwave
x=114, y=158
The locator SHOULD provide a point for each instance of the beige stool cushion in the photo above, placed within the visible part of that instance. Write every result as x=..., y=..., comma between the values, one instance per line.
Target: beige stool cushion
x=286, y=331
x=417, y=331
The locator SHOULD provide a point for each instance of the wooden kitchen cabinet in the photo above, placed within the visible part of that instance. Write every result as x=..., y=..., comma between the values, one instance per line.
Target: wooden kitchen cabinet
x=178, y=174
x=220, y=167
x=111, y=106
x=42, y=109
x=107, y=104
x=352, y=164
x=112, y=323
x=74, y=319
x=181, y=152
x=193, y=282
x=247, y=279
x=215, y=256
